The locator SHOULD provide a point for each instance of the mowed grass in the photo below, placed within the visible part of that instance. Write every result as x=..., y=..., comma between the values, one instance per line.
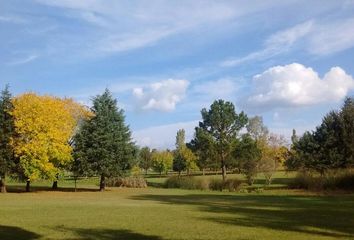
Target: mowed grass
x=156, y=214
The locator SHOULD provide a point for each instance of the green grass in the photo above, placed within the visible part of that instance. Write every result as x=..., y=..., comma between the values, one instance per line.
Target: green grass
x=156, y=214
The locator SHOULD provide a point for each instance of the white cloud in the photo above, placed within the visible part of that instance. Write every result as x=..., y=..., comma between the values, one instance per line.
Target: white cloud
x=297, y=85
x=277, y=43
x=332, y=37
x=316, y=38
x=24, y=60
x=161, y=96
x=162, y=137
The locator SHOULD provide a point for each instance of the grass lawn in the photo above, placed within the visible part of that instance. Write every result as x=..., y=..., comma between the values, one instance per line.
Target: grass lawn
x=156, y=214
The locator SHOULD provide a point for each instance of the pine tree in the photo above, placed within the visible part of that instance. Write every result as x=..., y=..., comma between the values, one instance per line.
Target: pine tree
x=103, y=145
x=6, y=134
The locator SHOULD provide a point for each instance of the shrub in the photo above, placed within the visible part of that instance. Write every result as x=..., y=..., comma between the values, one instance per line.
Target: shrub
x=216, y=184
x=232, y=185
x=129, y=182
x=332, y=180
x=203, y=183
x=187, y=183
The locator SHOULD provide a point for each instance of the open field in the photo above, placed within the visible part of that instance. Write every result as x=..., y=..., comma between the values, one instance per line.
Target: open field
x=155, y=213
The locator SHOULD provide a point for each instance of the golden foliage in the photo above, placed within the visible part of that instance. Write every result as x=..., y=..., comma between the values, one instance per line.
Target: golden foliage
x=44, y=126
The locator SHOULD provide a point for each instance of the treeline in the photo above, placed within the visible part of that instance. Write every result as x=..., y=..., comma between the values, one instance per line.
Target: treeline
x=330, y=146
x=218, y=143
x=42, y=137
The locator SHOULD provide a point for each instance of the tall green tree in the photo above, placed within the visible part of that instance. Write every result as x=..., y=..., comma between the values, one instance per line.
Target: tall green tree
x=179, y=162
x=6, y=136
x=222, y=124
x=103, y=145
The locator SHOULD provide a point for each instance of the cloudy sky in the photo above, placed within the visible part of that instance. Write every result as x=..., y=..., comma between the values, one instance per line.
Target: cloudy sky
x=289, y=61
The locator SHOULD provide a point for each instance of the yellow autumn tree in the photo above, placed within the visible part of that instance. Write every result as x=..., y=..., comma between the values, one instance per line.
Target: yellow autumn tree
x=44, y=126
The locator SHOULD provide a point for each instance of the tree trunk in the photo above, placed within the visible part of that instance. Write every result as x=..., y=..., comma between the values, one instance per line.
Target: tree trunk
x=2, y=185
x=75, y=184
x=28, y=185
x=203, y=170
x=102, y=183
x=146, y=171
x=55, y=183
x=223, y=170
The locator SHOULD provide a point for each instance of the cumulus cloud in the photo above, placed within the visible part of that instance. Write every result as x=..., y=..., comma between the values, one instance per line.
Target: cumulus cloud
x=161, y=96
x=297, y=85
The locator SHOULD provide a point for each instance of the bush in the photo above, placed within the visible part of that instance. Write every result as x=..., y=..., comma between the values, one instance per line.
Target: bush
x=187, y=183
x=232, y=185
x=129, y=182
x=203, y=183
x=332, y=180
x=216, y=184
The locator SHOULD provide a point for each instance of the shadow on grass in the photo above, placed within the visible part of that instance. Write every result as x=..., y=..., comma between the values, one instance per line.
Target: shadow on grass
x=109, y=234
x=21, y=189
x=11, y=233
x=324, y=216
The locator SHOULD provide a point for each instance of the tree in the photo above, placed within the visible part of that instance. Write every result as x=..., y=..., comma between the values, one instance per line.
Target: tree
x=6, y=136
x=256, y=128
x=179, y=162
x=145, y=159
x=346, y=116
x=221, y=123
x=180, y=139
x=78, y=113
x=162, y=161
x=189, y=158
x=248, y=155
x=103, y=144
x=43, y=127
x=273, y=154
x=203, y=147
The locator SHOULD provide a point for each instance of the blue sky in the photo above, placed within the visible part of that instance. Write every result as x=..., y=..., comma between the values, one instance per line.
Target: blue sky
x=289, y=61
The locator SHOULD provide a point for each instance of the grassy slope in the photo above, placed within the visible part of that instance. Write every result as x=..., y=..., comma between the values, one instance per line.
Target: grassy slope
x=153, y=214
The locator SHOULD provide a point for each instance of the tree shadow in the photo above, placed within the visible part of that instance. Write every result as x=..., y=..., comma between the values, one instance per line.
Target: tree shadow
x=325, y=216
x=21, y=189
x=11, y=233
x=109, y=234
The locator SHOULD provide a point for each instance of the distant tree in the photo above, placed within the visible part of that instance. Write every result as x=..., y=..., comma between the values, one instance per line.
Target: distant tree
x=145, y=158
x=256, y=128
x=273, y=154
x=162, y=161
x=221, y=124
x=43, y=127
x=294, y=137
x=248, y=155
x=180, y=139
x=6, y=136
x=103, y=145
x=179, y=162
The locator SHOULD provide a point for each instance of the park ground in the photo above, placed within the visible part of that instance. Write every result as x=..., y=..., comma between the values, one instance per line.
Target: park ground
x=161, y=214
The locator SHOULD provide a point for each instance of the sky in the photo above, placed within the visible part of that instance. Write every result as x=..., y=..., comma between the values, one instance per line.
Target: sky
x=289, y=61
